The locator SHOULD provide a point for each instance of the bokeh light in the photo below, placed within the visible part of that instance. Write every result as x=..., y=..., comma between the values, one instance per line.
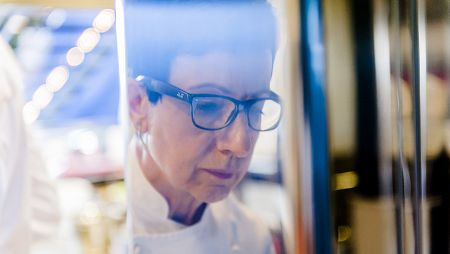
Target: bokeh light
x=57, y=78
x=88, y=40
x=42, y=97
x=75, y=56
x=104, y=20
x=30, y=112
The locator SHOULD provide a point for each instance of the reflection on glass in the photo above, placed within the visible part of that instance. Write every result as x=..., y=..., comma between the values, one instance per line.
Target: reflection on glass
x=198, y=94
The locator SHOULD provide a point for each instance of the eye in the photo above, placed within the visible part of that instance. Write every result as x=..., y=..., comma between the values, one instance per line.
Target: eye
x=212, y=112
x=209, y=107
x=213, y=105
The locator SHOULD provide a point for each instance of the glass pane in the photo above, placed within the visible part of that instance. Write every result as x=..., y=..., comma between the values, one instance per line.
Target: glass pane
x=265, y=114
x=202, y=189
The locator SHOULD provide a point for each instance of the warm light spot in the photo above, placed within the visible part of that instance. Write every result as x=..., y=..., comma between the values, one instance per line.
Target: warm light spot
x=16, y=23
x=88, y=40
x=57, y=78
x=42, y=97
x=344, y=233
x=104, y=20
x=84, y=141
x=75, y=56
x=90, y=214
x=30, y=113
x=346, y=180
x=56, y=18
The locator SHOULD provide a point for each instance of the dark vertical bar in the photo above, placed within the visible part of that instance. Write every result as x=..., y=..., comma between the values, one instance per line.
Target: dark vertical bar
x=417, y=193
x=367, y=164
x=400, y=165
x=313, y=64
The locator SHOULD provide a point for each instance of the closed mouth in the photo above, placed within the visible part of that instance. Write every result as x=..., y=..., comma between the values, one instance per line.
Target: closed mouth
x=218, y=173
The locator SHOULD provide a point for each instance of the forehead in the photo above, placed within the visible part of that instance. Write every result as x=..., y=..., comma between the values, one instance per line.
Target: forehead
x=241, y=74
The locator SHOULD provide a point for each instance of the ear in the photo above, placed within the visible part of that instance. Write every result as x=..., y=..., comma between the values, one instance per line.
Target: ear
x=138, y=106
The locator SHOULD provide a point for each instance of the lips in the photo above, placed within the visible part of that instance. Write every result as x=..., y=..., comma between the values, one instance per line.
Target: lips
x=221, y=174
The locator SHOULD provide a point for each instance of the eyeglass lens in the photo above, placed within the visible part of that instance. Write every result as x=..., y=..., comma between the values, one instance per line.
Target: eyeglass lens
x=217, y=112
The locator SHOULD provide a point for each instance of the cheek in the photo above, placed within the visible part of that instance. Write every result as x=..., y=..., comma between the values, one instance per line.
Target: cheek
x=178, y=147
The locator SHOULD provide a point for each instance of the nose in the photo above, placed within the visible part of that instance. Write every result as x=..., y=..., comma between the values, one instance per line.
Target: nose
x=237, y=139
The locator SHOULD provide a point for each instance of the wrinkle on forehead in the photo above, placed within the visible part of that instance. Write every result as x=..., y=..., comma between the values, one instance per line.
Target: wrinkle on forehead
x=243, y=73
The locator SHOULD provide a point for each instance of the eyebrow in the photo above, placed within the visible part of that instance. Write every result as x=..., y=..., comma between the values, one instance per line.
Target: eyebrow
x=211, y=85
x=227, y=91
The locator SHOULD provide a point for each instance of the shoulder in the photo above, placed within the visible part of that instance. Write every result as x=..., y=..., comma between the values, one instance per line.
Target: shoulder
x=10, y=73
x=11, y=123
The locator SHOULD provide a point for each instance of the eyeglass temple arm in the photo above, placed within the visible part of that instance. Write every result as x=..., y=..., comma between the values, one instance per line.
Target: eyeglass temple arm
x=153, y=85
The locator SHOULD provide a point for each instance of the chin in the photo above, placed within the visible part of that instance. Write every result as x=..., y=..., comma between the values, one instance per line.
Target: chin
x=214, y=194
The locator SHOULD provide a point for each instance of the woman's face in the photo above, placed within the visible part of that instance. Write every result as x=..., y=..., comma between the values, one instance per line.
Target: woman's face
x=207, y=164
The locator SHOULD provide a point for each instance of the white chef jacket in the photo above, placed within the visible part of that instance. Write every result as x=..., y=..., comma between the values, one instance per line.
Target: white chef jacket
x=27, y=198
x=15, y=230
x=225, y=227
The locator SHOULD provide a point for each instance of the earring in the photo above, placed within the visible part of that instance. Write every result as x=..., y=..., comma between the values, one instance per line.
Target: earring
x=143, y=138
x=138, y=133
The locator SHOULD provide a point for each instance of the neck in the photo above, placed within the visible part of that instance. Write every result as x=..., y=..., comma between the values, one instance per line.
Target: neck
x=183, y=207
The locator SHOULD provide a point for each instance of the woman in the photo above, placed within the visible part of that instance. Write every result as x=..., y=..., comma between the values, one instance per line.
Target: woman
x=27, y=195
x=199, y=95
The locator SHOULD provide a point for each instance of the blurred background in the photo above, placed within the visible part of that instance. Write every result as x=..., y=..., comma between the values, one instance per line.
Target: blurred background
x=344, y=174
x=67, y=51
x=68, y=54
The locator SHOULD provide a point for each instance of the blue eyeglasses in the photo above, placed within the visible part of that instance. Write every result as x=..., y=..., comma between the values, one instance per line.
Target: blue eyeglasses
x=214, y=112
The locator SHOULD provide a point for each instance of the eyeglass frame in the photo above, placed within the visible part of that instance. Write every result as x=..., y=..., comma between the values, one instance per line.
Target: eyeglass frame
x=152, y=85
